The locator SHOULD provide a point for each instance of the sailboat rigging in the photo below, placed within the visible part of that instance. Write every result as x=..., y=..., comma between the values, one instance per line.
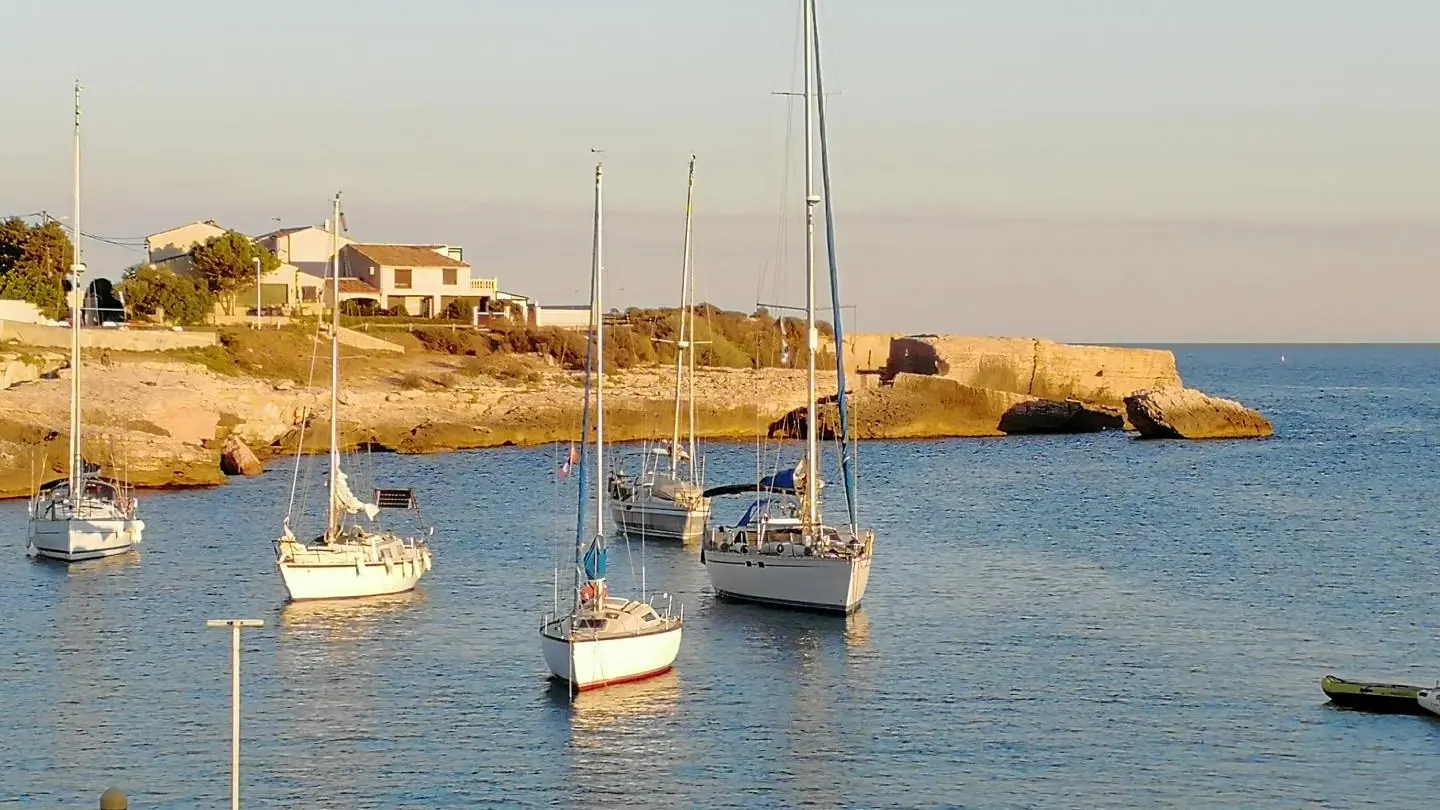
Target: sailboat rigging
x=661, y=501
x=85, y=515
x=348, y=560
x=603, y=640
x=781, y=552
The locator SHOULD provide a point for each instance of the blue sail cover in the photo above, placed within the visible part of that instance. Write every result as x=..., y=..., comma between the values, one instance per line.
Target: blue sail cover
x=595, y=560
x=783, y=480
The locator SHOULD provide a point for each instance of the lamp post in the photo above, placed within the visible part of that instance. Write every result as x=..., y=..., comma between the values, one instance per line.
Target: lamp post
x=257, y=292
x=235, y=625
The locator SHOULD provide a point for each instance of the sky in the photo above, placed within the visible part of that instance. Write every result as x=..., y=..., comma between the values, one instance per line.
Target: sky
x=1083, y=170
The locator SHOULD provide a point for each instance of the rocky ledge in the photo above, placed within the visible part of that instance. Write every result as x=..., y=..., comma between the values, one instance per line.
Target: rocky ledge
x=1184, y=413
x=176, y=423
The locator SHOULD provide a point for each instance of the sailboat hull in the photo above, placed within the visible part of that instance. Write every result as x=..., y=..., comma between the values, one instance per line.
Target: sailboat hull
x=350, y=574
x=659, y=519
x=823, y=584
x=79, y=539
x=594, y=663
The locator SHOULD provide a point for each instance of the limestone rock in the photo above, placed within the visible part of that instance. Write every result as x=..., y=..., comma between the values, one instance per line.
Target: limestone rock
x=913, y=406
x=236, y=459
x=1068, y=416
x=1185, y=413
x=1039, y=368
x=189, y=425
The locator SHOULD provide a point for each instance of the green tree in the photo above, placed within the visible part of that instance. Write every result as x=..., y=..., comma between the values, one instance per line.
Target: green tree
x=226, y=263
x=33, y=262
x=151, y=290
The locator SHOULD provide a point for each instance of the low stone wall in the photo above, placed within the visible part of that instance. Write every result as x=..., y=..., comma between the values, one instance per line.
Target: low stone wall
x=19, y=311
x=131, y=340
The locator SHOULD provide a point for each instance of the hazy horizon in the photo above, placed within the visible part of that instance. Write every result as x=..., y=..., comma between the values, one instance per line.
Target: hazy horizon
x=1127, y=172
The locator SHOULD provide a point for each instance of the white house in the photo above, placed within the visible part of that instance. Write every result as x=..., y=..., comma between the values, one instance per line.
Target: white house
x=308, y=247
x=171, y=248
x=425, y=280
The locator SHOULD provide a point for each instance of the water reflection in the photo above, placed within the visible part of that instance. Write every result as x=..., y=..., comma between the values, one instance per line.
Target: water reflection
x=347, y=619
x=618, y=709
x=857, y=630
x=611, y=732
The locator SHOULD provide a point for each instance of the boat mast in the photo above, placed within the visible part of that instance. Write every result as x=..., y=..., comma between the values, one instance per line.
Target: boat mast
x=598, y=317
x=591, y=364
x=847, y=448
x=331, y=515
x=812, y=468
x=682, y=342
x=77, y=270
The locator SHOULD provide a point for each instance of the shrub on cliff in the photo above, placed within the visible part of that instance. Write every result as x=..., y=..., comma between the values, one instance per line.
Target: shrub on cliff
x=227, y=265
x=33, y=262
x=444, y=340
x=151, y=290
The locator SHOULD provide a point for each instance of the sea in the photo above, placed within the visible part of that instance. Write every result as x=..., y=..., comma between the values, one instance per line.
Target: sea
x=1052, y=621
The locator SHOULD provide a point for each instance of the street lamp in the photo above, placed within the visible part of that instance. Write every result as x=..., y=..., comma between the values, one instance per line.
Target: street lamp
x=257, y=292
x=235, y=625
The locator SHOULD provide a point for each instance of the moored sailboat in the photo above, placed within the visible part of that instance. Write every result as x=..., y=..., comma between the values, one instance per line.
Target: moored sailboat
x=782, y=552
x=665, y=500
x=603, y=639
x=84, y=516
x=348, y=561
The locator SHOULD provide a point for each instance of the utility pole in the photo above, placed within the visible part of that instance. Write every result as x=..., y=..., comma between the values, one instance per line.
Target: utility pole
x=257, y=293
x=235, y=625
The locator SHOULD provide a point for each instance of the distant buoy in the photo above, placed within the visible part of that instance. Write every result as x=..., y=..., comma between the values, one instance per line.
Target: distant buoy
x=1282, y=358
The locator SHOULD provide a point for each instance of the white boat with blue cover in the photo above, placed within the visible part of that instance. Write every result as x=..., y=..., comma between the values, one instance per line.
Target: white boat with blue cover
x=782, y=552
x=603, y=640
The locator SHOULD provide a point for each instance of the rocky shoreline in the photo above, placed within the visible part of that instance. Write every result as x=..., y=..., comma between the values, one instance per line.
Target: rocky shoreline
x=176, y=423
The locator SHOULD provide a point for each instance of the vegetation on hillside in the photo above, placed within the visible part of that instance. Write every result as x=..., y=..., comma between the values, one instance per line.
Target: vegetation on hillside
x=34, y=260
x=227, y=265
x=156, y=291
x=643, y=337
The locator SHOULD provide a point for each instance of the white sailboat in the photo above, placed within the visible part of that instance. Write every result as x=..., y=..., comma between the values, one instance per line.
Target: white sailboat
x=665, y=500
x=84, y=516
x=782, y=552
x=348, y=561
x=603, y=640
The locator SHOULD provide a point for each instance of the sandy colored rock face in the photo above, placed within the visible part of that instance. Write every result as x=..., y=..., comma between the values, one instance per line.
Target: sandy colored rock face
x=1038, y=368
x=169, y=418
x=236, y=459
x=1184, y=413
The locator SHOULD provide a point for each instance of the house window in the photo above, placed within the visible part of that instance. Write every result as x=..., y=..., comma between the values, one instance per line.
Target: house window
x=308, y=294
x=450, y=276
x=402, y=278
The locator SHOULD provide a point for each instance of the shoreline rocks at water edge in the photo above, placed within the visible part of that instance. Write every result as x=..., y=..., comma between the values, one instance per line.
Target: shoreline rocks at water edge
x=1185, y=413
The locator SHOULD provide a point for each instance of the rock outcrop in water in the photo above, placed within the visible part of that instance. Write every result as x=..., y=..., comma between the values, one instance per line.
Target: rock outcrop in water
x=1069, y=416
x=1038, y=368
x=237, y=459
x=1184, y=413
x=169, y=419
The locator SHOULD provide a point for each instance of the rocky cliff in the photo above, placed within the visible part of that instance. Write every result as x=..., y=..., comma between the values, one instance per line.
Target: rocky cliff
x=1033, y=367
x=168, y=418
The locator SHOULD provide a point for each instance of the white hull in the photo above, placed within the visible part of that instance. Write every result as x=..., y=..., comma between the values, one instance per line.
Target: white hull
x=659, y=519
x=591, y=664
x=350, y=573
x=828, y=584
x=1429, y=700
x=77, y=539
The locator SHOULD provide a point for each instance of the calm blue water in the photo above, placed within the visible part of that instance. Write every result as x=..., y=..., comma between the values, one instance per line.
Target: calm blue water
x=1052, y=622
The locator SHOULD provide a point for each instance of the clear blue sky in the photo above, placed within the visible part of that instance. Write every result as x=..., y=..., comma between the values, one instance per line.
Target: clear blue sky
x=1132, y=169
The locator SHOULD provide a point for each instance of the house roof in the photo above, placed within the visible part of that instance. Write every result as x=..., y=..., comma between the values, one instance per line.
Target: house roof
x=288, y=231
x=405, y=256
x=168, y=231
x=353, y=285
